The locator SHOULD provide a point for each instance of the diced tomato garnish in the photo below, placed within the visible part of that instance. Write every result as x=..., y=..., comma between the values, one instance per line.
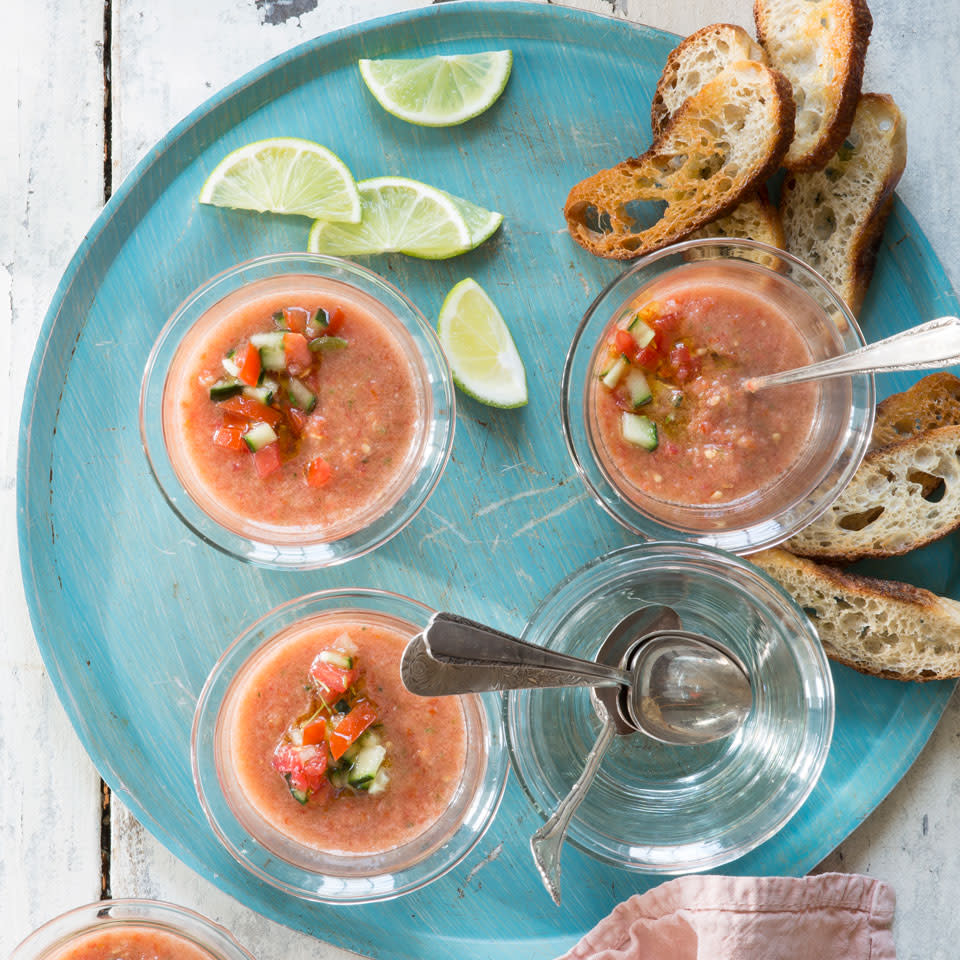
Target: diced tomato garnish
x=296, y=353
x=315, y=732
x=318, y=472
x=625, y=343
x=230, y=436
x=351, y=726
x=296, y=318
x=297, y=420
x=648, y=357
x=267, y=459
x=253, y=411
x=250, y=368
x=332, y=680
x=685, y=366
x=305, y=765
x=335, y=321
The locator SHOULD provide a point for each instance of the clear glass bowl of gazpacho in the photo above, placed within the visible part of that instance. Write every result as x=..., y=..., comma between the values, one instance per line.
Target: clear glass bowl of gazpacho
x=297, y=411
x=657, y=807
x=657, y=420
x=321, y=774
x=133, y=930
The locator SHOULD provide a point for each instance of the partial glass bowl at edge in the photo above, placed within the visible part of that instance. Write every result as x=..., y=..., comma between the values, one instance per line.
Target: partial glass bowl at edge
x=285, y=548
x=149, y=915
x=343, y=878
x=842, y=424
x=656, y=808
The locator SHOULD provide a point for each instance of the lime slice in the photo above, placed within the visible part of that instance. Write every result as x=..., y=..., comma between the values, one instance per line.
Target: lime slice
x=438, y=91
x=481, y=223
x=284, y=175
x=479, y=348
x=399, y=216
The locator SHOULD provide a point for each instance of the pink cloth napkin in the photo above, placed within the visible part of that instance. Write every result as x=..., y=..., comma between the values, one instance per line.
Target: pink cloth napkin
x=833, y=916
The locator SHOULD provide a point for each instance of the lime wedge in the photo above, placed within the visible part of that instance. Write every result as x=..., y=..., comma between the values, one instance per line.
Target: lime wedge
x=479, y=348
x=398, y=216
x=438, y=91
x=284, y=175
x=481, y=223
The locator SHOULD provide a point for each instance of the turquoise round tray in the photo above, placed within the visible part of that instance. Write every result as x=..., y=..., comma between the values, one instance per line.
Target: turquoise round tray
x=131, y=611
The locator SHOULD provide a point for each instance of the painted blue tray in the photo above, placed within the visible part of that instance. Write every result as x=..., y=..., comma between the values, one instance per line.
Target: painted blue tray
x=131, y=611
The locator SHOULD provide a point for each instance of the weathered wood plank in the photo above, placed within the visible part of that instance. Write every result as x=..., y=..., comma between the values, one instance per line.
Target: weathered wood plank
x=51, y=166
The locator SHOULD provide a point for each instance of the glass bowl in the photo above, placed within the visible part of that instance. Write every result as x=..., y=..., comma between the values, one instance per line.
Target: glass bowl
x=291, y=864
x=167, y=380
x=843, y=407
x=656, y=808
x=196, y=937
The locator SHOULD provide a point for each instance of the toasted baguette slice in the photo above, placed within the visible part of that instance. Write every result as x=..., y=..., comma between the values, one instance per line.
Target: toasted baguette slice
x=715, y=151
x=820, y=47
x=931, y=402
x=755, y=219
x=883, y=511
x=696, y=61
x=834, y=218
x=880, y=627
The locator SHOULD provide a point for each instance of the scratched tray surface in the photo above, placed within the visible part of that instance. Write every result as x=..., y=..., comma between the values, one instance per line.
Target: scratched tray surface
x=131, y=611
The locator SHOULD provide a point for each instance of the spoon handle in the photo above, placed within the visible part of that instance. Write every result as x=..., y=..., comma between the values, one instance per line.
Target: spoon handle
x=457, y=642
x=932, y=344
x=546, y=844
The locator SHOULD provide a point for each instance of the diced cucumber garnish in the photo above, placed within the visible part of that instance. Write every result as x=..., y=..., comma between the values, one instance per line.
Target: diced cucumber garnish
x=327, y=343
x=301, y=796
x=638, y=388
x=611, y=376
x=300, y=396
x=338, y=658
x=380, y=782
x=641, y=331
x=258, y=436
x=265, y=393
x=365, y=767
x=230, y=365
x=225, y=389
x=319, y=321
x=338, y=776
x=270, y=345
x=639, y=430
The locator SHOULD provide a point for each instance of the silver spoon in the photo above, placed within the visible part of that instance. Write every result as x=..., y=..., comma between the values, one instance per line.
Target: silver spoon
x=546, y=844
x=932, y=344
x=688, y=676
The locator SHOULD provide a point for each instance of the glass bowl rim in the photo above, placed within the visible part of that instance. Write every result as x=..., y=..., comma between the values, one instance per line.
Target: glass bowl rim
x=436, y=377
x=639, y=523
x=819, y=662
x=488, y=793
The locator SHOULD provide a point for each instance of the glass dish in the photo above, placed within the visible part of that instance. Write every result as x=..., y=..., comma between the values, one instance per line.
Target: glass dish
x=656, y=808
x=842, y=421
x=203, y=937
x=306, y=871
x=290, y=546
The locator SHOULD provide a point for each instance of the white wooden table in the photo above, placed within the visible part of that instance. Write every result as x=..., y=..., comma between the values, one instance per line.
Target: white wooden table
x=87, y=87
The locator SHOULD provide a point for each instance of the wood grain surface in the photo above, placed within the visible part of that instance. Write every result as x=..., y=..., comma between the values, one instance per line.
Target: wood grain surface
x=164, y=59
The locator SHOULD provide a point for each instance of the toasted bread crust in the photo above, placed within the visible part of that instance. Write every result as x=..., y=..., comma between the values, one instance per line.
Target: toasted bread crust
x=933, y=401
x=756, y=218
x=840, y=69
x=740, y=46
x=671, y=170
x=879, y=627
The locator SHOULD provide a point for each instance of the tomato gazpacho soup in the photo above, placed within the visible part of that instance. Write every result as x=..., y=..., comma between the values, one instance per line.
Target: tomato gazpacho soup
x=295, y=404
x=673, y=419
x=331, y=750
x=129, y=942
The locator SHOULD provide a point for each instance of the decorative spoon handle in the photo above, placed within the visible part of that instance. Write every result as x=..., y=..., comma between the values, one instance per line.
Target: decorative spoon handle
x=457, y=655
x=546, y=844
x=932, y=344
